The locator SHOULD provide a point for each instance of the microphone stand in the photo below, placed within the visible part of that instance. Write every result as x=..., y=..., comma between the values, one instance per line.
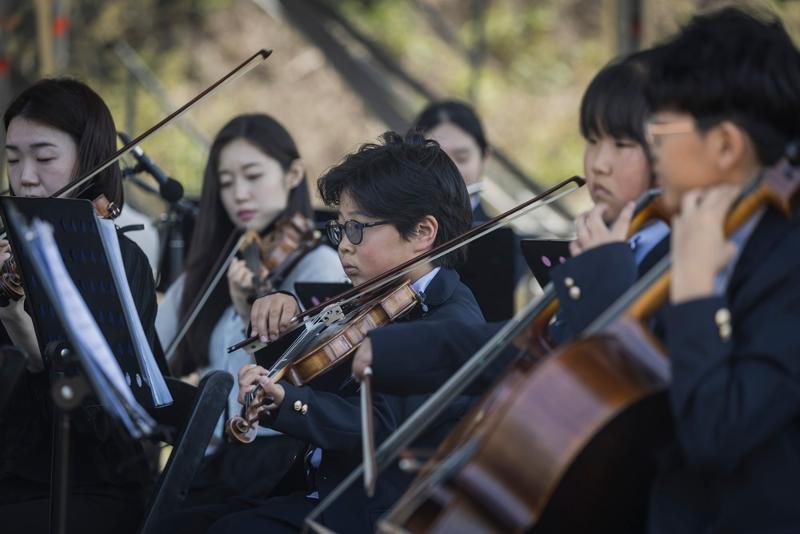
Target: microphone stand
x=170, y=225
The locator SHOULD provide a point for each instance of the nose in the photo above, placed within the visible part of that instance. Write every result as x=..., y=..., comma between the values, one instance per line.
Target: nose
x=345, y=246
x=28, y=176
x=601, y=160
x=241, y=189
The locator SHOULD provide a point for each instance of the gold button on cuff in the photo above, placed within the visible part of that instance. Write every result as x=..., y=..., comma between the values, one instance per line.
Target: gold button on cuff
x=722, y=317
x=297, y=406
x=574, y=292
x=569, y=282
x=304, y=410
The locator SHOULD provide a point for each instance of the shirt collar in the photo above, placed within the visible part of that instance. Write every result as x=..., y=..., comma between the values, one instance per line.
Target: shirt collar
x=421, y=284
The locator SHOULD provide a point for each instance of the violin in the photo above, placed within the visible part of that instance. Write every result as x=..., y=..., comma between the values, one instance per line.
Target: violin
x=279, y=251
x=332, y=349
x=10, y=280
x=567, y=445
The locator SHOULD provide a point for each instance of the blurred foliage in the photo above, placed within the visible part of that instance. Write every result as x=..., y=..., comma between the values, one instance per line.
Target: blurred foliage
x=523, y=64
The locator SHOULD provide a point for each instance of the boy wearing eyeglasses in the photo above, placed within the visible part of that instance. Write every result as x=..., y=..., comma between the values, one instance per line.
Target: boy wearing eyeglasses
x=725, y=95
x=395, y=201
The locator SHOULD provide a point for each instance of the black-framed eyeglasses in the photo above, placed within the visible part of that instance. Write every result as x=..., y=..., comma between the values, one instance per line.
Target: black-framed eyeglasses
x=354, y=230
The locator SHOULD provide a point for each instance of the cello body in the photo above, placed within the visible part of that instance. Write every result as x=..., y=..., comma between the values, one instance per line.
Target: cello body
x=587, y=421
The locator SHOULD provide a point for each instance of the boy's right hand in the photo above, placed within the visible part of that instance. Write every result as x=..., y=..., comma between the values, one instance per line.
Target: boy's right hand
x=272, y=315
x=591, y=231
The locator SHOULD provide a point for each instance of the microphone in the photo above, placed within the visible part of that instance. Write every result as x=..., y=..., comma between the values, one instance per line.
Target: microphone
x=170, y=189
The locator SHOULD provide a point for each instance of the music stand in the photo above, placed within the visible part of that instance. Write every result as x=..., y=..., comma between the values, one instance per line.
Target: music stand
x=544, y=254
x=489, y=273
x=77, y=235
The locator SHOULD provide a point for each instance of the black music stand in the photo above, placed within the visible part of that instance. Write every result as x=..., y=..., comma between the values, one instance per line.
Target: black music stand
x=489, y=273
x=544, y=254
x=77, y=236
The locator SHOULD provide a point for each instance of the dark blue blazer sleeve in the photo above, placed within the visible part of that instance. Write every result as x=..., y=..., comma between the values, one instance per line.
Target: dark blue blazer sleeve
x=329, y=420
x=417, y=358
x=601, y=275
x=731, y=393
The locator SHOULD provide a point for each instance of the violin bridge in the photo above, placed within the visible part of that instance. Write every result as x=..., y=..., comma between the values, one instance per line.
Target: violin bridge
x=332, y=314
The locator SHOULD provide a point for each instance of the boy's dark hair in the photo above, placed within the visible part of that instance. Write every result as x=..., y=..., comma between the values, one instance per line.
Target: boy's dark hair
x=73, y=108
x=401, y=181
x=732, y=65
x=459, y=113
x=614, y=104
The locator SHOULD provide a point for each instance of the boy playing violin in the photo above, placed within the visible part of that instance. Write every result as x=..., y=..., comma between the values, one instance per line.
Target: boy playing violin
x=395, y=201
x=603, y=263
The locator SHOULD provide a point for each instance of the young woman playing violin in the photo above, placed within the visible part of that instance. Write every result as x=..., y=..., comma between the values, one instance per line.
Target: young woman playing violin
x=254, y=180
x=396, y=201
x=56, y=130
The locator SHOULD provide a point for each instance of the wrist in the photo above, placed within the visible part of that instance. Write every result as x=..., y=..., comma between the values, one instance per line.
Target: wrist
x=685, y=287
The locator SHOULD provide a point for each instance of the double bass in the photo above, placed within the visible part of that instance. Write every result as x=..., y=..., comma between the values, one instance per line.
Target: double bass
x=567, y=445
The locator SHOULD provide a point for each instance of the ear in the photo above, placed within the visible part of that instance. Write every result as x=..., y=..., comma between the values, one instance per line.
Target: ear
x=295, y=173
x=730, y=145
x=425, y=234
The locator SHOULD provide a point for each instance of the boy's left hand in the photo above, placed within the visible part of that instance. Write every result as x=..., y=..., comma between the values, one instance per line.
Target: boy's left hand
x=362, y=359
x=699, y=247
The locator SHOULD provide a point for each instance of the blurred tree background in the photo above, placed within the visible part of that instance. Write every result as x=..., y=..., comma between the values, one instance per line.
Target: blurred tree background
x=342, y=71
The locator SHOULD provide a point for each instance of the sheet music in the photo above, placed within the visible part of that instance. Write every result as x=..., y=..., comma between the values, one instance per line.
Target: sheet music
x=147, y=362
x=95, y=355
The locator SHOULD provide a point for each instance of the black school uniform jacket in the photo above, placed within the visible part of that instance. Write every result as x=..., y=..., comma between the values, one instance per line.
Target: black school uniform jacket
x=331, y=420
x=735, y=397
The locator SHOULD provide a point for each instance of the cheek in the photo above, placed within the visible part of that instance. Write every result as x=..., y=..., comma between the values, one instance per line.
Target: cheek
x=636, y=178
x=228, y=202
x=55, y=177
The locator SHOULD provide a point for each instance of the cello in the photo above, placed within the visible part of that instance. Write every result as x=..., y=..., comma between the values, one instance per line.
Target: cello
x=578, y=431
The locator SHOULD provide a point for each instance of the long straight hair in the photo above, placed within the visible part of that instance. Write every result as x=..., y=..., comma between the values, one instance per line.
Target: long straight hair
x=214, y=227
x=73, y=108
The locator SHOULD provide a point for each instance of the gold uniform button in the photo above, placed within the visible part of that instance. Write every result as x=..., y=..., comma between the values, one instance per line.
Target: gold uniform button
x=725, y=331
x=569, y=282
x=298, y=405
x=574, y=292
x=304, y=410
x=722, y=317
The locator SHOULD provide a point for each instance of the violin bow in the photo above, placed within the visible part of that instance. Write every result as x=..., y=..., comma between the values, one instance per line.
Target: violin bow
x=208, y=287
x=549, y=196
x=81, y=184
x=368, y=434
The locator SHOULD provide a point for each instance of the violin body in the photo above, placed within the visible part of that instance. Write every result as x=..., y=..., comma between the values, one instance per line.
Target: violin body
x=586, y=422
x=279, y=251
x=338, y=341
